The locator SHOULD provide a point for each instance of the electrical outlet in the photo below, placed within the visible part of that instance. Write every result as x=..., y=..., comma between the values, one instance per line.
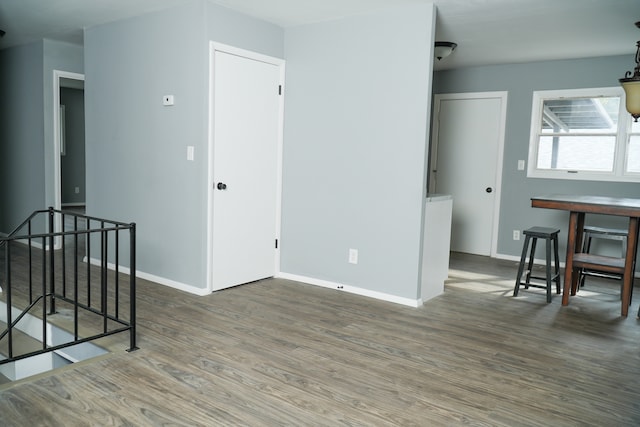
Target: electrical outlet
x=77, y=190
x=516, y=234
x=353, y=256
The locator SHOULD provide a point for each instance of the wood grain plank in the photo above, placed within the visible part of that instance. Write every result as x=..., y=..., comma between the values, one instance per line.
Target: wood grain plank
x=277, y=352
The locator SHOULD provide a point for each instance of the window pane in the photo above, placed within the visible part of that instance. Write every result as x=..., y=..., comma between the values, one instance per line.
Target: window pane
x=580, y=115
x=633, y=154
x=586, y=153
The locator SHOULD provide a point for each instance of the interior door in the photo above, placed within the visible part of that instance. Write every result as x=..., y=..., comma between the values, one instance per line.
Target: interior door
x=466, y=163
x=246, y=125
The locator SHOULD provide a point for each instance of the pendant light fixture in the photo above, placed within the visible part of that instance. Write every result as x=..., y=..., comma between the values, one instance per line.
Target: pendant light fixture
x=631, y=85
x=444, y=49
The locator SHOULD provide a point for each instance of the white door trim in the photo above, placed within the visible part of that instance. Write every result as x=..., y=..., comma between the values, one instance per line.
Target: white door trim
x=502, y=95
x=57, y=169
x=280, y=63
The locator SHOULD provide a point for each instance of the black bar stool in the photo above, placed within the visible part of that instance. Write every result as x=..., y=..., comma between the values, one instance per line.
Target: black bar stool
x=531, y=236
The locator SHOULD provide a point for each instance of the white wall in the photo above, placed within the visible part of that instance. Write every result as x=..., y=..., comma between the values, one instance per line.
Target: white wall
x=137, y=170
x=521, y=80
x=357, y=105
x=63, y=57
x=26, y=126
x=21, y=131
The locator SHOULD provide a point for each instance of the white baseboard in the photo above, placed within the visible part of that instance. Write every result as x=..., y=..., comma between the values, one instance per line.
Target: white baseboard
x=156, y=279
x=351, y=289
x=535, y=260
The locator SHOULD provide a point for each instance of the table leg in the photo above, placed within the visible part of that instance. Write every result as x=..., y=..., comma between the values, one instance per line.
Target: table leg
x=571, y=249
x=575, y=272
x=627, y=278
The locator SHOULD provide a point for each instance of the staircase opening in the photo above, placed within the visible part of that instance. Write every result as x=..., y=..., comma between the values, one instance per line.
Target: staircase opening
x=63, y=288
x=27, y=337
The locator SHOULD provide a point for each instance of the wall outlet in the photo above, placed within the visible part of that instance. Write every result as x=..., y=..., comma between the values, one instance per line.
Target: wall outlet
x=77, y=190
x=353, y=256
x=520, y=165
x=516, y=234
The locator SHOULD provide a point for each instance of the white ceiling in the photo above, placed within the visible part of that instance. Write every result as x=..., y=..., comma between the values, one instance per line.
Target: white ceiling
x=487, y=31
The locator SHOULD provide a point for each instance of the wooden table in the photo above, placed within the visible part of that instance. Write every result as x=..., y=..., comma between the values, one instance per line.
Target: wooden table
x=578, y=206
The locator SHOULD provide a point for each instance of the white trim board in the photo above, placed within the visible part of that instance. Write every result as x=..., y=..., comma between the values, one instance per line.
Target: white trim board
x=351, y=289
x=415, y=303
x=155, y=279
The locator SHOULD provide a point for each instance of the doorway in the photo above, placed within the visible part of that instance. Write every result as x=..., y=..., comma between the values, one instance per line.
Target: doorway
x=68, y=138
x=245, y=152
x=466, y=162
x=72, y=145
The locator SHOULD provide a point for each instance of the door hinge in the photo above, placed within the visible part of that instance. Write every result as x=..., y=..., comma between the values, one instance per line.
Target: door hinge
x=280, y=90
x=276, y=243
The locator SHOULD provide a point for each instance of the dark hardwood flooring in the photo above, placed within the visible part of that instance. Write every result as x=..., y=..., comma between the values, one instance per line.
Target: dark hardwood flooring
x=277, y=352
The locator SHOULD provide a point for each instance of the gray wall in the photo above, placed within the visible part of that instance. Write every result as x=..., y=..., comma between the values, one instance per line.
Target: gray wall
x=356, y=120
x=137, y=169
x=63, y=57
x=72, y=165
x=21, y=134
x=26, y=126
x=521, y=80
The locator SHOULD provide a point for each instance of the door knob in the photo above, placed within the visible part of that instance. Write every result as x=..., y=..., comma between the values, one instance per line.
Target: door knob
x=488, y=190
x=222, y=186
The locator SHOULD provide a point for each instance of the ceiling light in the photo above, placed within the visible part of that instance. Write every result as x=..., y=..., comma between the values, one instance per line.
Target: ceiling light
x=444, y=49
x=631, y=85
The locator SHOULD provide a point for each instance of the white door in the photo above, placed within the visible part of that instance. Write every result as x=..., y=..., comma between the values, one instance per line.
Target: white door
x=246, y=133
x=466, y=163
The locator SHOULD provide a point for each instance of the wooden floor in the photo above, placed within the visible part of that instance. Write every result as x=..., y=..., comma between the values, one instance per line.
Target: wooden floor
x=277, y=352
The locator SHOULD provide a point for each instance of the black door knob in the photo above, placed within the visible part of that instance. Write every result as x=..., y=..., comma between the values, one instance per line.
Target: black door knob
x=222, y=186
x=488, y=190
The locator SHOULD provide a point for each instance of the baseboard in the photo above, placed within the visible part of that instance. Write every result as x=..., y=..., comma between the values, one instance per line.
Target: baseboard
x=156, y=279
x=34, y=243
x=351, y=289
x=517, y=259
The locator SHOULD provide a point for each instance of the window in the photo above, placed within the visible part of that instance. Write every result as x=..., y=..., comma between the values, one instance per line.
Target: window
x=583, y=134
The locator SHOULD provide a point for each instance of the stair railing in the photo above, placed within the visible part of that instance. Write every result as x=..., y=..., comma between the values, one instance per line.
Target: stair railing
x=56, y=257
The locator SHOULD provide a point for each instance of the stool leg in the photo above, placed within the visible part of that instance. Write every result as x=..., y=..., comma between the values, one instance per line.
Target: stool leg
x=557, y=263
x=624, y=251
x=532, y=255
x=523, y=258
x=548, y=268
x=586, y=248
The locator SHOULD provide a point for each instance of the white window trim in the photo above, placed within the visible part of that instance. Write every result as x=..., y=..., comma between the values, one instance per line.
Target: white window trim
x=619, y=163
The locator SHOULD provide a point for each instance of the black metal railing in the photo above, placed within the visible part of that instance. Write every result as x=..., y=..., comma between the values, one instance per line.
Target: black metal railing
x=63, y=262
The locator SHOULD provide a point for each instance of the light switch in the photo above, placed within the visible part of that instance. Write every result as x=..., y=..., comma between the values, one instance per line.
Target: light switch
x=167, y=100
x=190, y=150
x=520, y=165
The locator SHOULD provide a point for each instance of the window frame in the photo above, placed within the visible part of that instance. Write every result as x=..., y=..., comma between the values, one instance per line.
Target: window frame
x=618, y=174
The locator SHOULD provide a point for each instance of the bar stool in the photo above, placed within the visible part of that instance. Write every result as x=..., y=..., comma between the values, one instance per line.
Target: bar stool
x=590, y=233
x=531, y=237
